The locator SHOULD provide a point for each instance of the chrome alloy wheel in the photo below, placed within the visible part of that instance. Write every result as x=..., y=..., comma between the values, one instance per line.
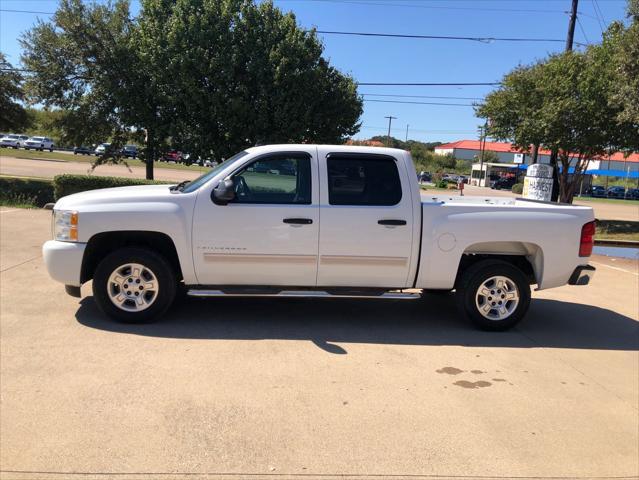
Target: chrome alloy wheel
x=497, y=298
x=132, y=287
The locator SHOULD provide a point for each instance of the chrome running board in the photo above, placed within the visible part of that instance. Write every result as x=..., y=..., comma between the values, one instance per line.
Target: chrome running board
x=302, y=294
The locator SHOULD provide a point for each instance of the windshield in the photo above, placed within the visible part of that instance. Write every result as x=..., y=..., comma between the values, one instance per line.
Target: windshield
x=37, y=139
x=198, y=182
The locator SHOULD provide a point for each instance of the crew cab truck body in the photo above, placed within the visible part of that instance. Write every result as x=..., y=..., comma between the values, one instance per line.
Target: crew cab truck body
x=314, y=220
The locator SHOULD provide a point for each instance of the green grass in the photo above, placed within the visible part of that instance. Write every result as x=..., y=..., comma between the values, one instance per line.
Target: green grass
x=437, y=190
x=69, y=157
x=618, y=201
x=617, y=230
x=17, y=203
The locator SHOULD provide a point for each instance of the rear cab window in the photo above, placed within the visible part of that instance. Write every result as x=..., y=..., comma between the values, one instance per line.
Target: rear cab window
x=363, y=179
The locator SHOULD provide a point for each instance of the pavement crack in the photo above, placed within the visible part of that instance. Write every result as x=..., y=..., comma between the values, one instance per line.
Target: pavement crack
x=21, y=263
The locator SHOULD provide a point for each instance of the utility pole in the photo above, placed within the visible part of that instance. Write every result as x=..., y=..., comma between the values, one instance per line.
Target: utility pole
x=406, y=133
x=571, y=25
x=390, y=119
x=553, y=153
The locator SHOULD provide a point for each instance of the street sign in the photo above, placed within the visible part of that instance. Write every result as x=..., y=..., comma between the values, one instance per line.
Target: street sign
x=519, y=158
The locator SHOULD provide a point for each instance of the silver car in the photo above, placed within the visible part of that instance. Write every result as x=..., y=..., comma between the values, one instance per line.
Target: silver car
x=13, y=141
x=39, y=143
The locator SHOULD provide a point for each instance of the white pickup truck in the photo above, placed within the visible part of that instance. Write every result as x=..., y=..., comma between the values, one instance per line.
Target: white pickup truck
x=314, y=220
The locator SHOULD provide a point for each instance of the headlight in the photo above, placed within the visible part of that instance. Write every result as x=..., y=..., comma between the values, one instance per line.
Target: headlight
x=65, y=225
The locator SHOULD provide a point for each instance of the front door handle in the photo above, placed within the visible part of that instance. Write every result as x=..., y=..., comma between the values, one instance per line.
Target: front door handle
x=298, y=221
x=392, y=222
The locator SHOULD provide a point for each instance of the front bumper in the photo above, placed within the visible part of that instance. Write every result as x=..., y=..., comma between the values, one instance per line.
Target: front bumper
x=64, y=261
x=582, y=275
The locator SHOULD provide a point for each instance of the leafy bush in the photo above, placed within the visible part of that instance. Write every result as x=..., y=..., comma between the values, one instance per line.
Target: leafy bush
x=25, y=191
x=64, y=185
x=518, y=188
x=442, y=184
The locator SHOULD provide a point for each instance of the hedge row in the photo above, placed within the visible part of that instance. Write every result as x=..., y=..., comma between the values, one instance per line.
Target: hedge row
x=36, y=192
x=25, y=191
x=64, y=185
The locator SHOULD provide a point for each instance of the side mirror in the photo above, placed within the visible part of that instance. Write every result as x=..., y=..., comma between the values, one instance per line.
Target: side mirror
x=224, y=192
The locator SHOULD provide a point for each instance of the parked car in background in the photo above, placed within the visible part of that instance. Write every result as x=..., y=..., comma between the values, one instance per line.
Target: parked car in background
x=633, y=193
x=616, y=192
x=130, y=151
x=83, y=150
x=172, y=156
x=504, y=183
x=39, y=143
x=598, y=191
x=424, y=177
x=102, y=148
x=13, y=140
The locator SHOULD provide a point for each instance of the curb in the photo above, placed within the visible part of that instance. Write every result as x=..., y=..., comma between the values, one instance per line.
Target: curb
x=617, y=243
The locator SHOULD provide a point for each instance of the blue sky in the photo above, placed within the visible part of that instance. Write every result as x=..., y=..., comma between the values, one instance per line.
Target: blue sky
x=407, y=60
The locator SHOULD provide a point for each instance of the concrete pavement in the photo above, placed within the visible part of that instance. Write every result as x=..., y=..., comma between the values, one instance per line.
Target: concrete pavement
x=229, y=388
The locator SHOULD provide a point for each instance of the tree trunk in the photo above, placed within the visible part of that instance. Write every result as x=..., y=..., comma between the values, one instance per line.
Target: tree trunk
x=555, y=181
x=149, y=154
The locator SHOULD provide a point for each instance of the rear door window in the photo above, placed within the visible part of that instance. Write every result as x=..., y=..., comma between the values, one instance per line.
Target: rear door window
x=363, y=180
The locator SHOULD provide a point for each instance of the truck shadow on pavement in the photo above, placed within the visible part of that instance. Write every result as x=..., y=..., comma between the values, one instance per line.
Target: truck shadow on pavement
x=433, y=320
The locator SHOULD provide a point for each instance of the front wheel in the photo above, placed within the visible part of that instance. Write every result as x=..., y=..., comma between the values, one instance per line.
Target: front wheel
x=493, y=294
x=134, y=285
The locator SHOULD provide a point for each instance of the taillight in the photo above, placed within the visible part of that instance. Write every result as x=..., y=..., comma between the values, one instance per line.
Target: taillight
x=587, y=239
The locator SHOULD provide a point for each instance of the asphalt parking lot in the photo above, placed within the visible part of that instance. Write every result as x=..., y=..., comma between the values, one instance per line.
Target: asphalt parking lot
x=232, y=388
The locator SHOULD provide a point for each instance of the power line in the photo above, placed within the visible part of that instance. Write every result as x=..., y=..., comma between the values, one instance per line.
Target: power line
x=26, y=11
x=432, y=7
x=421, y=103
x=424, y=84
x=441, y=37
x=441, y=131
x=418, y=96
x=600, y=12
x=462, y=84
x=583, y=32
x=418, y=84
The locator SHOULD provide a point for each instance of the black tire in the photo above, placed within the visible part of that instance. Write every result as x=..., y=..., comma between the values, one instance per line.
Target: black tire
x=162, y=270
x=470, y=282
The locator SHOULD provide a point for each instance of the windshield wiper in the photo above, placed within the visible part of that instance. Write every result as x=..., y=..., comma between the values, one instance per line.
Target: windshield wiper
x=180, y=186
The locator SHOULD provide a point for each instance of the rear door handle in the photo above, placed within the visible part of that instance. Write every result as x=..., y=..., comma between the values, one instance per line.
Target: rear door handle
x=298, y=221
x=392, y=222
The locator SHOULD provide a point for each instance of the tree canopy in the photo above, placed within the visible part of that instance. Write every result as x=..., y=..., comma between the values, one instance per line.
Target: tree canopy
x=13, y=116
x=209, y=77
x=570, y=104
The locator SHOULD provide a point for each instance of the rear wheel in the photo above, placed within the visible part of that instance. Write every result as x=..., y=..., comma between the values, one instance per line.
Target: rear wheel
x=134, y=285
x=494, y=295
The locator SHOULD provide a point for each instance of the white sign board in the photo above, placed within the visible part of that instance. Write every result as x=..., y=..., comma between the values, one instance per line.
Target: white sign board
x=518, y=158
x=538, y=182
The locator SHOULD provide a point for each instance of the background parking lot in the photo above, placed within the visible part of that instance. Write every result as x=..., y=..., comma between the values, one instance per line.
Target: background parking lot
x=289, y=388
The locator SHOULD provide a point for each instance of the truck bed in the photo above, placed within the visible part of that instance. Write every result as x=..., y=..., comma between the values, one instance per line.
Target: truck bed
x=546, y=234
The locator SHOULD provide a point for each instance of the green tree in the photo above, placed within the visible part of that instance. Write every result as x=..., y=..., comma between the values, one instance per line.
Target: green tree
x=563, y=104
x=81, y=63
x=209, y=77
x=13, y=116
x=627, y=65
x=241, y=74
